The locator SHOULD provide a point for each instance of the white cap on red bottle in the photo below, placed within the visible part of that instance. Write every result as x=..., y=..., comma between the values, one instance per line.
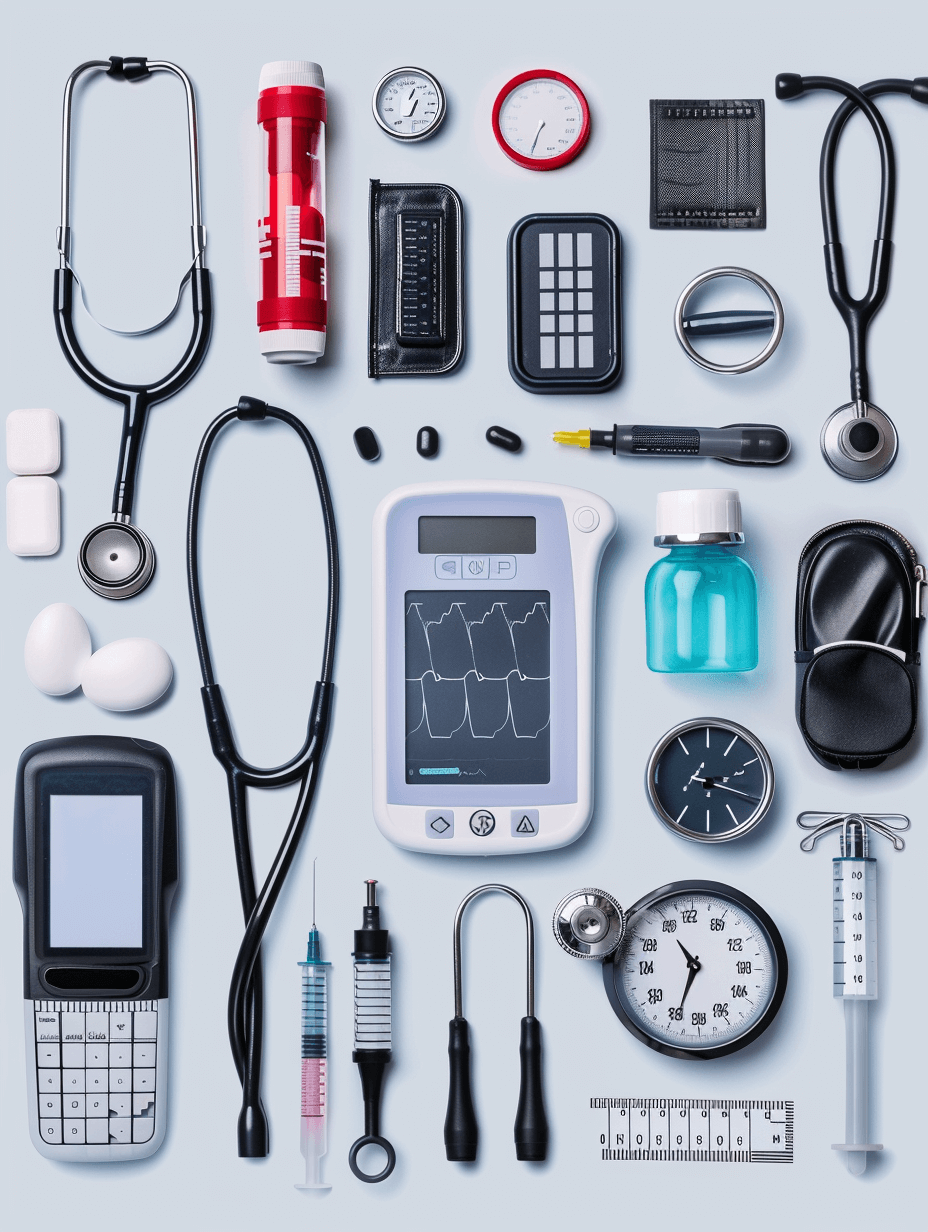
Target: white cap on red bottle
x=698, y=515
x=291, y=73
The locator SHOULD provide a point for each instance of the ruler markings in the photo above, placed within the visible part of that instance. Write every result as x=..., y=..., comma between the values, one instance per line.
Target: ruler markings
x=703, y=1130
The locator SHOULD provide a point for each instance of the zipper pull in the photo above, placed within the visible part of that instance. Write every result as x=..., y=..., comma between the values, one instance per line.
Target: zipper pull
x=921, y=580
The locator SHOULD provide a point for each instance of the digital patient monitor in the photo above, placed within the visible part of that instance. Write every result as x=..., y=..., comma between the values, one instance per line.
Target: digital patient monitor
x=483, y=622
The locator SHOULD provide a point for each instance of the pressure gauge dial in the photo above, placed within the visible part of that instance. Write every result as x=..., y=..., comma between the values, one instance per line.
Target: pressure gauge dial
x=710, y=780
x=541, y=120
x=701, y=971
x=409, y=104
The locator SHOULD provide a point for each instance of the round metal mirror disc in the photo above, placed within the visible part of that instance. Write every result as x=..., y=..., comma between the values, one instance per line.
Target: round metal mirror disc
x=116, y=560
x=589, y=923
x=859, y=447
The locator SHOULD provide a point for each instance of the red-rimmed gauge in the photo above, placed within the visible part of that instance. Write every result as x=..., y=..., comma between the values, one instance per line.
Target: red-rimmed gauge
x=541, y=119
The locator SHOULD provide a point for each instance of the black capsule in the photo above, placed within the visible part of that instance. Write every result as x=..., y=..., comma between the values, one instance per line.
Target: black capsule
x=504, y=439
x=367, y=444
x=427, y=442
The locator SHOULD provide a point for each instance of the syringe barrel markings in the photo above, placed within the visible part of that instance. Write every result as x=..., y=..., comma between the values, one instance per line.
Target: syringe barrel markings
x=855, y=927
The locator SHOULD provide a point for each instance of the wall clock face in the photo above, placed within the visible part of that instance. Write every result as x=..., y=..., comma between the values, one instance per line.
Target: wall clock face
x=710, y=780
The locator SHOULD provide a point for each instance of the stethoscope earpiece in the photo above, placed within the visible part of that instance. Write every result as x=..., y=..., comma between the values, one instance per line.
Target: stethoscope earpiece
x=859, y=441
x=116, y=560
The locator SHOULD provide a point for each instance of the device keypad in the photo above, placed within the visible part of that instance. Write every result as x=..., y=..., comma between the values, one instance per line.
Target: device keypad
x=96, y=1071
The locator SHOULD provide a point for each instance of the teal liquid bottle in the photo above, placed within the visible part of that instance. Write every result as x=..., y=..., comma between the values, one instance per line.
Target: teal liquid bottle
x=700, y=599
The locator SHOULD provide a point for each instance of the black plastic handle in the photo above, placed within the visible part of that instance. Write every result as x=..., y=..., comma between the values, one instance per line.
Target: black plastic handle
x=460, y=1120
x=531, y=1127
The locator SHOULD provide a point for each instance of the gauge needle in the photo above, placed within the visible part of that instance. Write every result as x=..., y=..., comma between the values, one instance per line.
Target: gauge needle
x=712, y=785
x=541, y=125
x=695, y=966
x=411, y=103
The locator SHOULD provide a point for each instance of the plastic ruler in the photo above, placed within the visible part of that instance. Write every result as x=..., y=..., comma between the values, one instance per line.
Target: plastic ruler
x=735, y=1131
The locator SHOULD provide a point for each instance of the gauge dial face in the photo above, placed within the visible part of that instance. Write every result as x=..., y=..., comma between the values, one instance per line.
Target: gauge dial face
x=409, y=104
x=710, y=780
x=701, y=971
x=541, y=120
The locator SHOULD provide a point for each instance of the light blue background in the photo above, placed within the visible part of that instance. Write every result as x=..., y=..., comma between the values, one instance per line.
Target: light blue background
x=263, y=581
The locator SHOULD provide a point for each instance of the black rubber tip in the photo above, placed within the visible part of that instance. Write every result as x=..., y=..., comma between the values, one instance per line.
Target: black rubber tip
x=366, y=443
x=502, y=438
x=427, y=442
x=252, y=1133
x=789, y=85
x=251, y=408
x=920, y=89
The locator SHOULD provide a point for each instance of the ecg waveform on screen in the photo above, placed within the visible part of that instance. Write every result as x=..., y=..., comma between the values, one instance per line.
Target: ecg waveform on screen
x=484, y=675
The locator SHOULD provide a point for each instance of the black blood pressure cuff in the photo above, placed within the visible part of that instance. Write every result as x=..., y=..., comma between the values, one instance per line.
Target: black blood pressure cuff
x=416, y=309
x=707, y=163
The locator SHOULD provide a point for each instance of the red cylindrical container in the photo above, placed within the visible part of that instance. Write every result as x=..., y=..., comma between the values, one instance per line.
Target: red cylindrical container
x=291, y=231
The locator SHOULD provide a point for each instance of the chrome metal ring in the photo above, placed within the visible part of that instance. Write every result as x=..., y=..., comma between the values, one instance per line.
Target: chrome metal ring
x=729, y=271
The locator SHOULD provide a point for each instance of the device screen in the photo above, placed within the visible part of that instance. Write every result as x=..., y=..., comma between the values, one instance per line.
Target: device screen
x=478, y=680
x=477, y=535
x=95, y=872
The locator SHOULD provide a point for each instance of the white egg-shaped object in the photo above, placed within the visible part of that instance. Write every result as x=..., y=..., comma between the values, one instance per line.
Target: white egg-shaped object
x=57, y=649
x=128, y=674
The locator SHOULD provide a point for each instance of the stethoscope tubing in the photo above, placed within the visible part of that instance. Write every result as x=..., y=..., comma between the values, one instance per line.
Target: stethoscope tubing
x=245, y=1005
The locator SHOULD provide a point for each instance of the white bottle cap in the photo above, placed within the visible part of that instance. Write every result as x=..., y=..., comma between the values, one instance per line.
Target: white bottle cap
x=699, y=515
x=291, y=73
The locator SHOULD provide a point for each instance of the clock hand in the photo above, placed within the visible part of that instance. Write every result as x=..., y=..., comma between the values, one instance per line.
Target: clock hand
x=695, y=966
x=407, y=108
x=541, y=125
x=690, y=960
x=710, y=785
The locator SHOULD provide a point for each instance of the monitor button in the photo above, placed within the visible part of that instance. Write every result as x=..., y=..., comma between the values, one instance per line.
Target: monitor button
x=439, y=823
x=476, y=568
x=502, y=568
x=586, y=519
x=524, y=823
x=482, y=823
x=447, y=566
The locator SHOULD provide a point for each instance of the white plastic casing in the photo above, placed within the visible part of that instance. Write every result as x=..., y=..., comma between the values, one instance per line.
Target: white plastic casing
x=590, y=524
x=33, y=442
x=33, y=516
x=692, y=512
x=89, y=1153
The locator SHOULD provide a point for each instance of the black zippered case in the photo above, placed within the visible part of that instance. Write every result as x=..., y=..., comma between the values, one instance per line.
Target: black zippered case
x=858, y=608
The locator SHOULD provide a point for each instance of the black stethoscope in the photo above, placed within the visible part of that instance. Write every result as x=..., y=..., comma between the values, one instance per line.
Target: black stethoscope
x=858, y=440
x=245, y=1010
x=116, y=559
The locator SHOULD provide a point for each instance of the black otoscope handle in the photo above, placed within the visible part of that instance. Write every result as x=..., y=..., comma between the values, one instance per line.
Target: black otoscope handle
x=460, y=1120
x=531, y=1127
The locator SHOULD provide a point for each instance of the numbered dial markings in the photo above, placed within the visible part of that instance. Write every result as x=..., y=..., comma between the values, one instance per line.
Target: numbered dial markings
x=702, y=970
x=710, y=780
x=409, y=104
x=541, y=121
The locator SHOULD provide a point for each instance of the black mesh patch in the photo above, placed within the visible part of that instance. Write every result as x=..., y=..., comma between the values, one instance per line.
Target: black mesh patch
x=707, y=163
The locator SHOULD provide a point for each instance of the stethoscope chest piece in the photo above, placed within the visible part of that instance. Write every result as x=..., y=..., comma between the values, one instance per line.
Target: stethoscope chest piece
x=859, y=441
x=589, y=924
x=116, y=560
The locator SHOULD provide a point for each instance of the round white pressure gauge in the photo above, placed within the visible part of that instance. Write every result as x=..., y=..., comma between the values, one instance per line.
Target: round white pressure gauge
x=701, y=971
x=409, y=104
x=541, y=119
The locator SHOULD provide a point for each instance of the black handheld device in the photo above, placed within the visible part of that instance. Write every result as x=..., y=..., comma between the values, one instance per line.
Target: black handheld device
x=95, y=866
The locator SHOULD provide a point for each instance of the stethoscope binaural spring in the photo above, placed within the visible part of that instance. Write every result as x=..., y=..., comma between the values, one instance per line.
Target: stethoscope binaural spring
x=116, y=559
